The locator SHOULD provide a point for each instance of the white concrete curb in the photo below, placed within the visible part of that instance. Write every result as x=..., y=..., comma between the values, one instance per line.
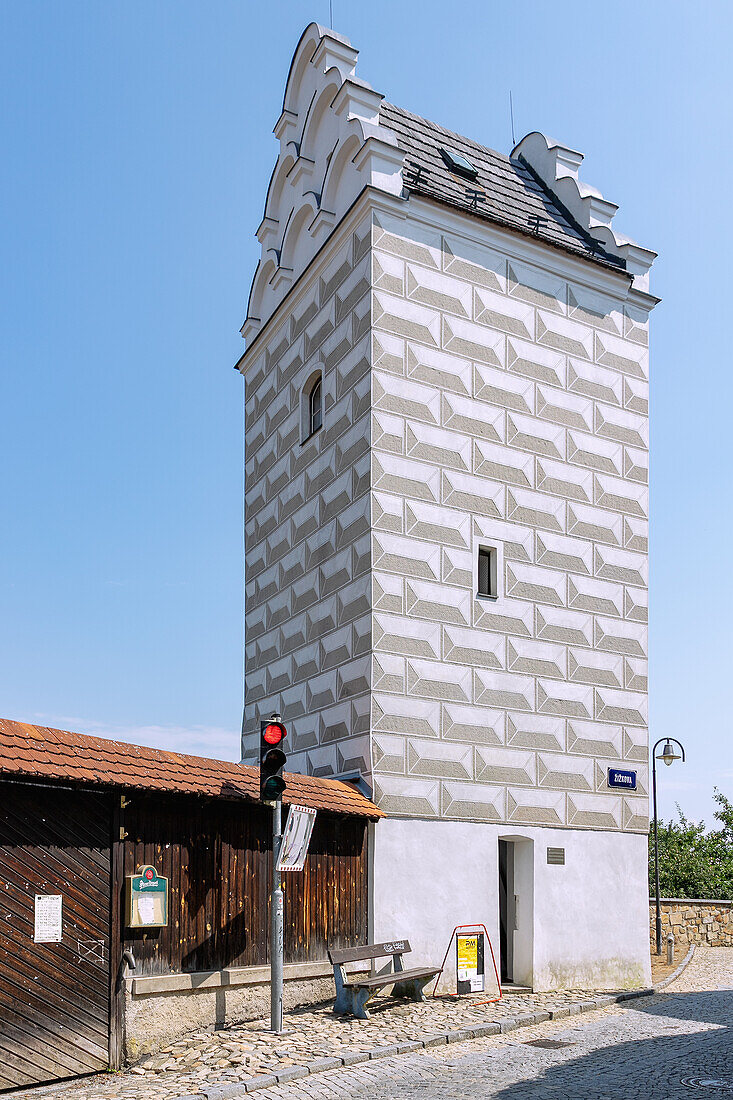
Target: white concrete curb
x=676, y=973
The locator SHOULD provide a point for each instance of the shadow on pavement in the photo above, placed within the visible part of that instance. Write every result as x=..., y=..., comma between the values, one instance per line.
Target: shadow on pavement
x=713, y=1006
x=669, y=1066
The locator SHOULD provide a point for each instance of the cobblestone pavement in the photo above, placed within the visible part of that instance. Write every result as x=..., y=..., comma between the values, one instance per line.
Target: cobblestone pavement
x=635, y=1049
x=677, y=1045
x=209, y=1062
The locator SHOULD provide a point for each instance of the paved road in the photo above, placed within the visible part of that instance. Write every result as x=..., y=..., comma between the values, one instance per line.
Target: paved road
x=675, y=1046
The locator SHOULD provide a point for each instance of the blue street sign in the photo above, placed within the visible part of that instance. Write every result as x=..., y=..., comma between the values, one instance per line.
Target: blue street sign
x=624, y=780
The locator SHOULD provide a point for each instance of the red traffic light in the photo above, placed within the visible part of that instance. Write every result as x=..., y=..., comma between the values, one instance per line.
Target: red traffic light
x=272, y=759
x=273, y=733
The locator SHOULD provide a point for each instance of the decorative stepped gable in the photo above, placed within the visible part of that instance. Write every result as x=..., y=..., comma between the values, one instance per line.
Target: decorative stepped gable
x=337, y=137
x=331, y=147
x=557, y=167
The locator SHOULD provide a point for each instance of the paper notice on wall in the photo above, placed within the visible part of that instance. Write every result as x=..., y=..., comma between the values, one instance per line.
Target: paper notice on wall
x=146, y=909
x=48, y=923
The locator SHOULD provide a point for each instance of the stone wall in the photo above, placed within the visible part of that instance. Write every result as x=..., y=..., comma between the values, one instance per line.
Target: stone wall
x=160, y=1009
x=691, y=921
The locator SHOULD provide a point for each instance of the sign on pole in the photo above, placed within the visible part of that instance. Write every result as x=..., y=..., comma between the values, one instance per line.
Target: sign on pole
x=296, y=838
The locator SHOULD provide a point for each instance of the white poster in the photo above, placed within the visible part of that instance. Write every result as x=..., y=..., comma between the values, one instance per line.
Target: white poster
x=296, y=838
x=48, y=925
x=146, y=909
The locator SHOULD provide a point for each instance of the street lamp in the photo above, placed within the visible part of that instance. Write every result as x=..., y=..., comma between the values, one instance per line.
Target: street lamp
x=668, y=755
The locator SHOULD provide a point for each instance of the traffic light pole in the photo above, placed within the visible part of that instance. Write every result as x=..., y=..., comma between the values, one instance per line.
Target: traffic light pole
x=276, y=926
x=272, y=785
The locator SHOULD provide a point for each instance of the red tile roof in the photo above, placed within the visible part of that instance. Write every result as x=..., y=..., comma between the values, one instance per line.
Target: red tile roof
x=41, y=752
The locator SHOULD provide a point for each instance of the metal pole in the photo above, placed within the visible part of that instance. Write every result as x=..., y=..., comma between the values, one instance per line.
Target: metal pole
x=276, y=926
x=670, y=949
x=656, y=854
x=669, y=740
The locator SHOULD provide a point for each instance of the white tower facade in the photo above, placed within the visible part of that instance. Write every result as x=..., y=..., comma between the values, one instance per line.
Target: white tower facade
x=446, y=382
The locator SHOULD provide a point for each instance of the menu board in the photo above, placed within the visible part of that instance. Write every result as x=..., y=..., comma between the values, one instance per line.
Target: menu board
x=146, y=899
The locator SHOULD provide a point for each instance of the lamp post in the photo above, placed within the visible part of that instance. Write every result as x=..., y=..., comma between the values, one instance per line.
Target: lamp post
x=668, y=755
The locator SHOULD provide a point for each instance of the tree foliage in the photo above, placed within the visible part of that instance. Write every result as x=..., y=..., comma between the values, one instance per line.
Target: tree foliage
x=695, y=862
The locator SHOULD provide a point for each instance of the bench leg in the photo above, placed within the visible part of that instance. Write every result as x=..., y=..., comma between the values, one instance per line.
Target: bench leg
x=412, y=988
x=343, y=995
x=359, y=998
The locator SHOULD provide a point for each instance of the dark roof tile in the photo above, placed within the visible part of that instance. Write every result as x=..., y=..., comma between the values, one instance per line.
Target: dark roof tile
x=512, y=196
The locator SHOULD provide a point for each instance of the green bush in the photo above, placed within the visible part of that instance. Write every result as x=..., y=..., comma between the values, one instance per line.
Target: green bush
x=694, y=862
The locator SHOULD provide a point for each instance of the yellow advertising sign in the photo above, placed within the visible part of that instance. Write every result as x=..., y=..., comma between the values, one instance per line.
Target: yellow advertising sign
x=470, y=962
x=467, y=955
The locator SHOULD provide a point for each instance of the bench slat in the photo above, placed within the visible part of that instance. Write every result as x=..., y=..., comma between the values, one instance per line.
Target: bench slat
x=392, y=979
x=370, y=951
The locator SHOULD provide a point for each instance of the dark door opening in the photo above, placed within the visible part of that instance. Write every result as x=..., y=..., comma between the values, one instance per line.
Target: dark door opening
x=506, y=910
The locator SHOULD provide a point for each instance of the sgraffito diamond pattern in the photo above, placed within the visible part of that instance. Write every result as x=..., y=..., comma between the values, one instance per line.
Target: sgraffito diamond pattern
x=470, y=398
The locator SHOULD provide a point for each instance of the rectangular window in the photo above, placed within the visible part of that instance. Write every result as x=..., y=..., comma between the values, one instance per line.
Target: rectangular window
x=487, y=572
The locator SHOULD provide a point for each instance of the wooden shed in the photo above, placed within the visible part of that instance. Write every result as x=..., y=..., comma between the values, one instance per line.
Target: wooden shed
x=77, y=815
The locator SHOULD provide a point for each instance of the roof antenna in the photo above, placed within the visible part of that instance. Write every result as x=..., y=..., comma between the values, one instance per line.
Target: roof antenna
x=511, y=116
x=330, y=12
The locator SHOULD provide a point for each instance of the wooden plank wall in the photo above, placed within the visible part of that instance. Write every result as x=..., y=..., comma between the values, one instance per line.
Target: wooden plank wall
x=54, y=997
x=216, y=857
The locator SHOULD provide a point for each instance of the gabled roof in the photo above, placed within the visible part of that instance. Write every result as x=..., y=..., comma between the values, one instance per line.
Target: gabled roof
x=339, y=138
x=509, y=193
x=59, y=755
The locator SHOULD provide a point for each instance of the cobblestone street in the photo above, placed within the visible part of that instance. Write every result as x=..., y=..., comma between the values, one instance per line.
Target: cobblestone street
x=612, y=1052
x=675, y=1045
x=205, y=1062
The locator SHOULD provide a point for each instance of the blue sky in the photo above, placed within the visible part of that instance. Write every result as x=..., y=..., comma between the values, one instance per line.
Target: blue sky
x=137, y=148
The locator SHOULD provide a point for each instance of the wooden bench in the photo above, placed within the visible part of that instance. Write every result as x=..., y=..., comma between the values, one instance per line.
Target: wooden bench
x=353, y=994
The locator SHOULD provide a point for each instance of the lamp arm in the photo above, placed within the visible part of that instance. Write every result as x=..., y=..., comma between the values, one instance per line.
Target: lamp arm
x=681, y=748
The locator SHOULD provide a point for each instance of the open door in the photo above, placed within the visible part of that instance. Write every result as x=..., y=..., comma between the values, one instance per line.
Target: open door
x=506, y=910
x=516, y=910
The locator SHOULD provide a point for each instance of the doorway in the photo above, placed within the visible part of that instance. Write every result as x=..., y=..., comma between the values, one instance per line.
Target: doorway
x=516, y=910
x=506, y=910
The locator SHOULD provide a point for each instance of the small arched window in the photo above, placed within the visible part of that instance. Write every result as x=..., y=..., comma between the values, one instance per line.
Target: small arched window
x=315, y=407
x=311, y=406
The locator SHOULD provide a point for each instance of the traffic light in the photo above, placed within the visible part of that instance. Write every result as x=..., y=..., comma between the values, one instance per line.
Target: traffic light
x=272, y=760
